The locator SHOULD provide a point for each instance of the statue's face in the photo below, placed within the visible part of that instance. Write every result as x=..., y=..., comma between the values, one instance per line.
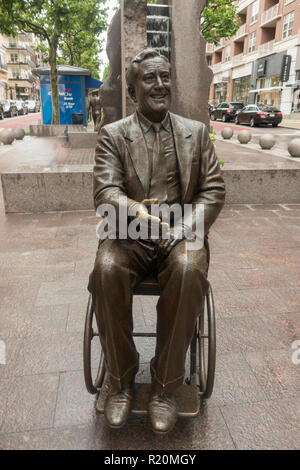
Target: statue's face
x=152, y=91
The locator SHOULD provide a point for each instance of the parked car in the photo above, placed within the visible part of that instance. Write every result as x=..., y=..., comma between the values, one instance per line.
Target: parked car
x=33, y=106
x=226, y=111
x=254, y=115
x=10, y=109
x=1, y=110
x=22, y=107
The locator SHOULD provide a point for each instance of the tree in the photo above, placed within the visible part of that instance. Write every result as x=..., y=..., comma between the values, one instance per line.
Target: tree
x=81, y=50
x=55, y=22
x=219, y=20
x=106, y=73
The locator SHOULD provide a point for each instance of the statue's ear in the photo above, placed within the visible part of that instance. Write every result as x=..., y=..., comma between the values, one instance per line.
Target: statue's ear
x=131, y=92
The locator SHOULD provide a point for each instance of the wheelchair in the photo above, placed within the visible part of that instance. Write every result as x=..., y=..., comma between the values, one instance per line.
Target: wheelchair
x=198, y=385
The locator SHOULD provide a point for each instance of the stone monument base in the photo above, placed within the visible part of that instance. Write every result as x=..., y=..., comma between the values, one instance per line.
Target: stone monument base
x=82, y=140
x=41, y=130
x=41, y=175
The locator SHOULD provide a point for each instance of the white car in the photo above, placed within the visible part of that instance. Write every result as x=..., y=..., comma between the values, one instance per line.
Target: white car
x=33, y=106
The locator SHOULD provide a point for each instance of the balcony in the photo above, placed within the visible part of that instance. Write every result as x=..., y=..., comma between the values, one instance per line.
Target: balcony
x=243, y=5
x=266, y=48
x=241, y=32
x=210, y=48
x=237, y=59
x=19, y=46
x=217, y=67
x=22, y=61
x=270, y=17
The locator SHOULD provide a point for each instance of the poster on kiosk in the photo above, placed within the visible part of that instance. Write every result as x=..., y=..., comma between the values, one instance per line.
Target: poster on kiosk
x=72, y=90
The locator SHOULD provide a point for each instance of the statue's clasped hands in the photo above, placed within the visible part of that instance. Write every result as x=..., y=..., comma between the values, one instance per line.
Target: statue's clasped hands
x=142, y=213
x=164, y=244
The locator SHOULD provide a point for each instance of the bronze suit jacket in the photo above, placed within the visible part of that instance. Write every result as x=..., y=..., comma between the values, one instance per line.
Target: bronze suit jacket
x=122, y=167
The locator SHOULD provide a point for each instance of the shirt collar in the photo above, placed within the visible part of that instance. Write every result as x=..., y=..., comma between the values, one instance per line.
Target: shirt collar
x=146, y=124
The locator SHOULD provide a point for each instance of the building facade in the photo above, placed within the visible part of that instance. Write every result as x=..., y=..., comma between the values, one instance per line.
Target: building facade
x=3, y=71
x=261, y=63
x=17, y=59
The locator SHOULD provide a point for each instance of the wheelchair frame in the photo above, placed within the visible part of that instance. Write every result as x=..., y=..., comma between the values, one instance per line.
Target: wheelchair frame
x=201, y=368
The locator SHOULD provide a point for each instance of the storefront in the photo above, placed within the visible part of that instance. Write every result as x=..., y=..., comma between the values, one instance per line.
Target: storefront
x=269, y=91
x=266, y=81
x=220, y=93
x=241, y=88
x=296, y=94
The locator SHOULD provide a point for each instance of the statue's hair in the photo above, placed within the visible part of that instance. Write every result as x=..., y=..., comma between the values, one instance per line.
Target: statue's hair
x=132, y=71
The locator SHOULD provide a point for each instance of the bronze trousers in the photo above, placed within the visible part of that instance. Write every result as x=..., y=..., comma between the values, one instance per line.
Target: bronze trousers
x=183, y=281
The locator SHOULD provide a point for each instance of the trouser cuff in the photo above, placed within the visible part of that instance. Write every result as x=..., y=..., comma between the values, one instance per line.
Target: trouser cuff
x=162, y=387
x=119, y=383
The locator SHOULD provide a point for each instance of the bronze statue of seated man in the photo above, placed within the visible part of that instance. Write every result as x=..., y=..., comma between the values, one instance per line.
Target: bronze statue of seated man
x=152, y=156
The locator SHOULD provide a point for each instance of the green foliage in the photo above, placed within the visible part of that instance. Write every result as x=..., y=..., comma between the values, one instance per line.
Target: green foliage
x=219, y=20
x=69, y=29
x=106, y=73
x=212, y=136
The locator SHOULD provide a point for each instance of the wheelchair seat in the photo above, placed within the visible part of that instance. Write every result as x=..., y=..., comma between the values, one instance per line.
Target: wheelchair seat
x=148, y=286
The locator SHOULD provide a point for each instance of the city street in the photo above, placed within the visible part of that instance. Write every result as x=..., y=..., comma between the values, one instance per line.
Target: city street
x=280, y=130
x=21, y=121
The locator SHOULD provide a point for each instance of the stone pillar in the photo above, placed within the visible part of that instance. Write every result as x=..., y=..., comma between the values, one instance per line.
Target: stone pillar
x=134, y=39
x=111, y=90
x=191, y=76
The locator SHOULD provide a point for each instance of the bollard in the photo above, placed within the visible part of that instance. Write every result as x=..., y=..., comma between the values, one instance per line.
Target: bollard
x=244, y=137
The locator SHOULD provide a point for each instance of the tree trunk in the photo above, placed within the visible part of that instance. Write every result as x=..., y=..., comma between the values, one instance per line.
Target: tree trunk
x=53, y=79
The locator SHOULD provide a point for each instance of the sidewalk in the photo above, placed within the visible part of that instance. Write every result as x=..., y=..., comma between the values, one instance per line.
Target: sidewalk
x=45, y=261
x=290, y=123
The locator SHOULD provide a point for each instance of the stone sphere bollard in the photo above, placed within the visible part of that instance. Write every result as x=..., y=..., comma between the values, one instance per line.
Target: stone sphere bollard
x=267, y=141
x=244, y=137
x=18, y=133
x=6, y=136
x=227, y=132
x=294, y=148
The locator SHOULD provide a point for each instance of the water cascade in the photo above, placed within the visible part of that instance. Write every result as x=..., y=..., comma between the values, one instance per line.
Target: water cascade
x=159, y=28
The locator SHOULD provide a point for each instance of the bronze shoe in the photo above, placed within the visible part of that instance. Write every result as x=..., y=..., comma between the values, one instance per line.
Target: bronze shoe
x=163, y=412
x=118, y=405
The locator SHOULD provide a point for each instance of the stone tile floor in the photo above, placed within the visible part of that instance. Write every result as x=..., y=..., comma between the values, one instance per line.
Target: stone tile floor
x=45, y=260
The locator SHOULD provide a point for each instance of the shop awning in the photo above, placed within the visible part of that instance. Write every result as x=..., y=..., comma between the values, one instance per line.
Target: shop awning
x=91, y=82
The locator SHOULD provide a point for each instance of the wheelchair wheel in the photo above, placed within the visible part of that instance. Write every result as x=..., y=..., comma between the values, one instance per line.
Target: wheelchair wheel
x=92, y=385
x=207, y=347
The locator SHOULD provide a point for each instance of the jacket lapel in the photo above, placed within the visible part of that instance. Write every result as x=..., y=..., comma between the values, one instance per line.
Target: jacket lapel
x=184, y=144
x=137, y=149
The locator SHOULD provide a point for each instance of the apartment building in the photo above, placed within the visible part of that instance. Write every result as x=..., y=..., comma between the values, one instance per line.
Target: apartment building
x=18, y=58
x=261, y=63
x=3, y=71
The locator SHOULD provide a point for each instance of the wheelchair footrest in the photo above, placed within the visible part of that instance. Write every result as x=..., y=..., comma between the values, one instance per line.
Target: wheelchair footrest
x=187, y=398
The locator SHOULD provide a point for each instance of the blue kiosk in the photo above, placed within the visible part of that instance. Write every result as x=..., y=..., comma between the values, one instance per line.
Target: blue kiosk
x=73, y=86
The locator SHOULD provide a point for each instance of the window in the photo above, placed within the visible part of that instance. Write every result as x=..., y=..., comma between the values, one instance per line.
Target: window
x=288, y=23
x=252, y=41
x=227, y=54
x=14, y=57
x=255, y=8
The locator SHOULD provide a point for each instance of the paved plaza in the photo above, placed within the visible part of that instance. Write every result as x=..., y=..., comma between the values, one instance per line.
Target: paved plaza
x=45, y=260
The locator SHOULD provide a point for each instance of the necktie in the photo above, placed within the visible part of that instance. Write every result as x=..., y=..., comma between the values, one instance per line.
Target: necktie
x=159, y=174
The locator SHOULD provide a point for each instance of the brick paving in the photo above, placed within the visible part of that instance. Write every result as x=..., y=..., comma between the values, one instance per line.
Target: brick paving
x=45, y=260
